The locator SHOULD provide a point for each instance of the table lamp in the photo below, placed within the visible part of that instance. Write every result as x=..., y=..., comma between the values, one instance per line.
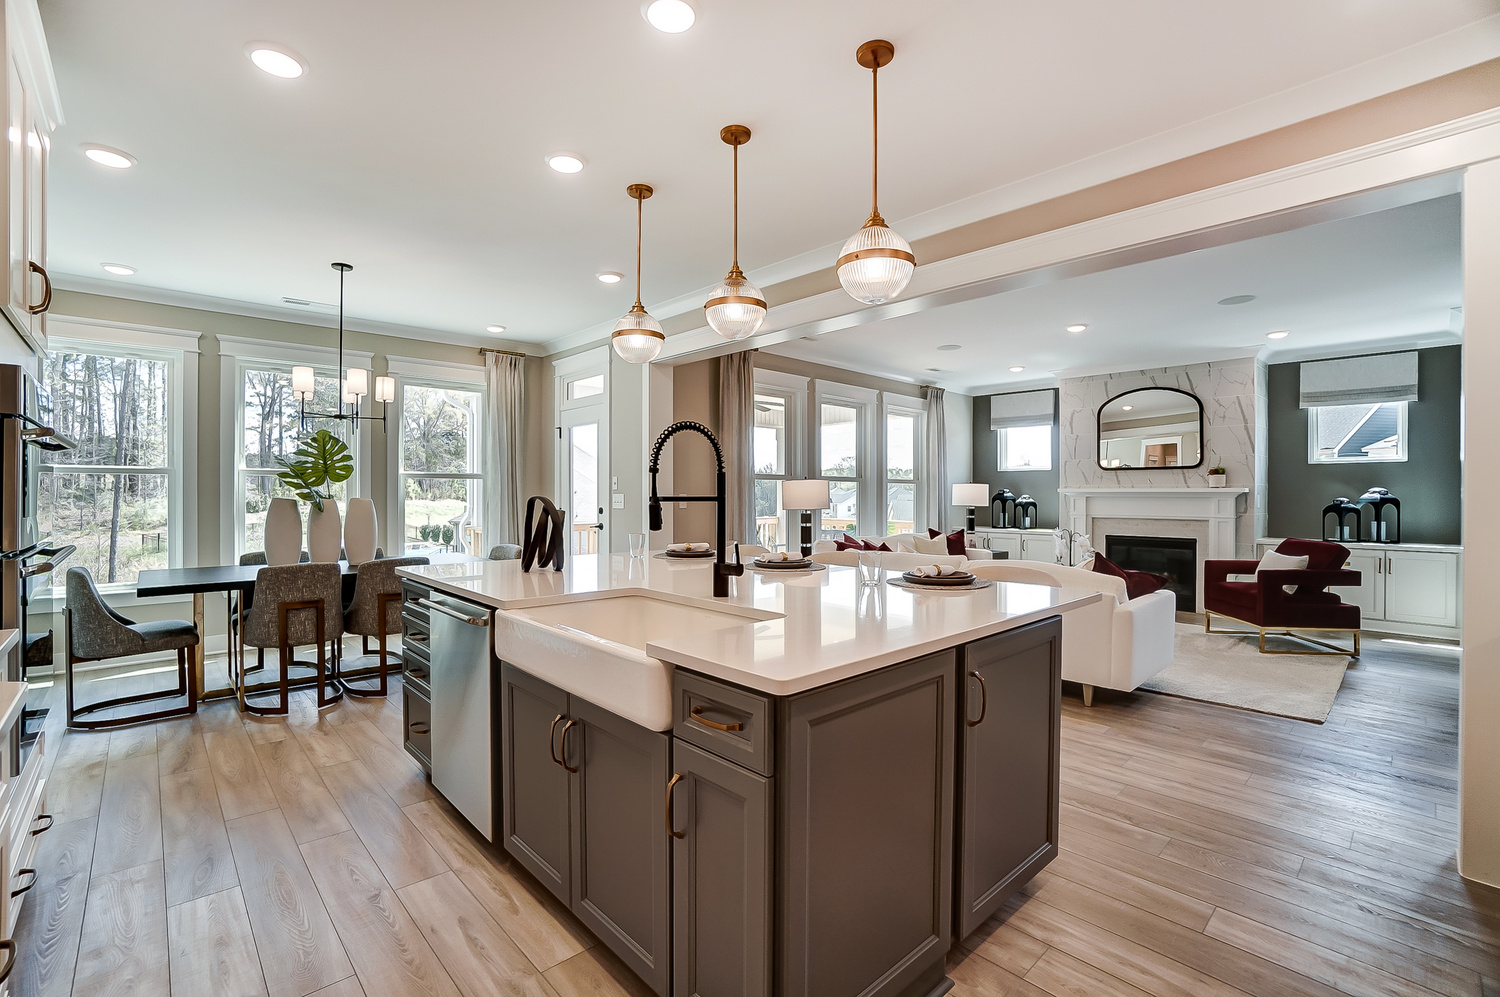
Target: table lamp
x=971, y=494
x=805, y=496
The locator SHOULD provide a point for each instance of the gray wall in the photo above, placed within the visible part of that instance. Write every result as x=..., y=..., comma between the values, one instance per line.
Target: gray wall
x=1040, y=485
x=1427, y=483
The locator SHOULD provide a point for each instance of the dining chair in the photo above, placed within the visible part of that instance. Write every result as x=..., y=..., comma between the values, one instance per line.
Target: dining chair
x=94, y=632
x=291, y=606
x=375, y=612
x=505, y=552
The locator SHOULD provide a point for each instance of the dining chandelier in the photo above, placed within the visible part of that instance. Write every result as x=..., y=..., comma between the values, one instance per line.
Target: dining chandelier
x=354, y=384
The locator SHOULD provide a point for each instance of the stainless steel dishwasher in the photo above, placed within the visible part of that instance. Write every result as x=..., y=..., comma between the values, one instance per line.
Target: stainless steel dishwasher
x=463, y=741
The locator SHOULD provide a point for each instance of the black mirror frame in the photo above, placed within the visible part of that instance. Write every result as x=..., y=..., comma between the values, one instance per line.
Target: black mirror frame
x=1099, y=430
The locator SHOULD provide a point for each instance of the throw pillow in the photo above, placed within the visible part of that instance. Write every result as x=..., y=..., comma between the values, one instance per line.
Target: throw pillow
x=1137, y=583
x=956, y=543
x=1273, y=561
x=848, y=543
x=932, y=545
x=933, y=534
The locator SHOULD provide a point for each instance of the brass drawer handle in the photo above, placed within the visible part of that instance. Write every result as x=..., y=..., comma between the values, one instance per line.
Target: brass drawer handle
x=416, y=673
x=696, y=715
x=20, y=873
x=984, y=700
x=46, y=827
x=415, y=638
x=34, y=267
x=671, y=824
x=551, y=737
x=562, y=745
x=419, y=728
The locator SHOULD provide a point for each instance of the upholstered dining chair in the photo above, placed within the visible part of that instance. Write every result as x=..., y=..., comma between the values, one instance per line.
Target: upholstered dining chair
x=295, y=605
x=505, y=552
x=94, y=632
x=375, y=612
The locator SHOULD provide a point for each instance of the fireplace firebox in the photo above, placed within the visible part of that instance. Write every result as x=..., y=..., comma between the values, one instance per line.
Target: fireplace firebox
x=1175, y=557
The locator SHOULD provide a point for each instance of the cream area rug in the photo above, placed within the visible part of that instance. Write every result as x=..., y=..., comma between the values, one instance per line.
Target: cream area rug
x=1231, y=671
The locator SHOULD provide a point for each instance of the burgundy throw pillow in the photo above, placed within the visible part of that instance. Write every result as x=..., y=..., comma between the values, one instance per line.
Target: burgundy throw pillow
x=1137, y=583
x=849, y=543
x=956, y=543
x=933, y=534
x=882, y=547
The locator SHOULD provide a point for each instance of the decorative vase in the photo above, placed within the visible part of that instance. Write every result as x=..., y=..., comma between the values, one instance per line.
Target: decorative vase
x=325, y=534
x=359, y=531
x=1218, y=480
x=283, y=540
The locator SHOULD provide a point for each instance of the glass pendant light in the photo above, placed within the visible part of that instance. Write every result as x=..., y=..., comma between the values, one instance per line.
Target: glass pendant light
x=637, y=337
x=735, y=308
x=876, y=263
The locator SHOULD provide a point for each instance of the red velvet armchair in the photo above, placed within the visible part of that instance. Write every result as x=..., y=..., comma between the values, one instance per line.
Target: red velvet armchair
x=1266, y=605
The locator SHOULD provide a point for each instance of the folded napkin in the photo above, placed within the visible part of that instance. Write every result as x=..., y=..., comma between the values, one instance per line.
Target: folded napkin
x=780, y=556
x=687, y=548
x=935, y=571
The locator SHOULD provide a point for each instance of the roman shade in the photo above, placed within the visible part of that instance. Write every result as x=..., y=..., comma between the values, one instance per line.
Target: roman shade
x=1385, y=377
x=1022, y=408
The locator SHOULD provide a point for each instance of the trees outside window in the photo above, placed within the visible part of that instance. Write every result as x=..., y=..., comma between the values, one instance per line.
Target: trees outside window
x=440, y=482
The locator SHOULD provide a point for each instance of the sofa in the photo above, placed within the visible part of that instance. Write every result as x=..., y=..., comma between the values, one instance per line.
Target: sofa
x=901, y=543
x=1115, y=644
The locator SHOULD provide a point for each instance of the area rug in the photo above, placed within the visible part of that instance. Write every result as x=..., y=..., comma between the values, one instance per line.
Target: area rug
x=1231, y=671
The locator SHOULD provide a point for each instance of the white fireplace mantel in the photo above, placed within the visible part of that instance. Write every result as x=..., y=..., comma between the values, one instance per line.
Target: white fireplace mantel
x=1219, y=508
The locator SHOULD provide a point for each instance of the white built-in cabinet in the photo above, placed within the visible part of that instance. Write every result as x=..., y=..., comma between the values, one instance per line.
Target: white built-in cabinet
x=32, y=114
x=1019, y=545
x=1404, y=588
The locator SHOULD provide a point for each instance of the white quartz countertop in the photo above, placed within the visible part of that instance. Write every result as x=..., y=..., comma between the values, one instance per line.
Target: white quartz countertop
x=819, y=627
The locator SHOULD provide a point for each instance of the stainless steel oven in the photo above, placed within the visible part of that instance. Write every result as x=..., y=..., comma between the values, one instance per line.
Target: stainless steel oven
x=27, y=555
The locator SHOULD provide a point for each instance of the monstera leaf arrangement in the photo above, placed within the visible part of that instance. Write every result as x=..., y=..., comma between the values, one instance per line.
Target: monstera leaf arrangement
x=320, y=460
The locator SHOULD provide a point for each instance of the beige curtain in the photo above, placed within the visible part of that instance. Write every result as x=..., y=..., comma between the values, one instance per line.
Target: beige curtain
x=504, y=409
x=737, y=437
x=935, y=456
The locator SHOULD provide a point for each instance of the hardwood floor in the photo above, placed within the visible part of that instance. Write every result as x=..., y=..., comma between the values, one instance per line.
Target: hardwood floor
x=1206, y=852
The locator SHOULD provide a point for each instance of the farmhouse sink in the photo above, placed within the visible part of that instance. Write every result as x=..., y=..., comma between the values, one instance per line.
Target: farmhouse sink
x=596, y=647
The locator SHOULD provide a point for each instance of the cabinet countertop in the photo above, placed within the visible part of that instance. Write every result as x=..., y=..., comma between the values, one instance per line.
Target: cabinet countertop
x=817, y=627
x=1364, y=545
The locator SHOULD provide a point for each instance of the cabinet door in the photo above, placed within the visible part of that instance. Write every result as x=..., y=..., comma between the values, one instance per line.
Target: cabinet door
x=1039, y=549
x=1008, y=542
x=38, y=284
x=721, y=877
x=864, y=833
x=1370, y=596
x=1421, y=587
x=534, y=787
x=15, y=198
x=620, y=842
x=1008, y=758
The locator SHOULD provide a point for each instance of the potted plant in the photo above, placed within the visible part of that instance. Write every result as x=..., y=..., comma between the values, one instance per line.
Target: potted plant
x=319, y=462
x=1218, y=477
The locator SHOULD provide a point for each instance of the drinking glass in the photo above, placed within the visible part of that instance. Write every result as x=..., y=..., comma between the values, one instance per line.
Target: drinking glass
x=870, y=570
x=637, y=545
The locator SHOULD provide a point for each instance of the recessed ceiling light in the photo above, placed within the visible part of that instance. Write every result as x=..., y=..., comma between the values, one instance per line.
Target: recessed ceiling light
x=565, y=162
x=496, y=329
x=1126, y=408
x=282, y=63
x=950, y=347
x=1079, y=327
x=105, y=156
x=1277, y=335
x=118, y=269
x=1017, y=370
x=671, y=16
x=1237, y=299
x=609, y=277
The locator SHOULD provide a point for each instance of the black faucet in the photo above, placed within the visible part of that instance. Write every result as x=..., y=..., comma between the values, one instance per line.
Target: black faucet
x=722, y=569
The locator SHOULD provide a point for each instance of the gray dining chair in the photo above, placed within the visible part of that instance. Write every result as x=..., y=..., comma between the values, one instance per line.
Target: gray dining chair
x=505, y=552
x=375, y=612
x=295, y=605
x=94, y=632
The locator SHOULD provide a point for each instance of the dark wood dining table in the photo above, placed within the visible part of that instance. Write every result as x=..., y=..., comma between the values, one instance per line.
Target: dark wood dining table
x=232, y=579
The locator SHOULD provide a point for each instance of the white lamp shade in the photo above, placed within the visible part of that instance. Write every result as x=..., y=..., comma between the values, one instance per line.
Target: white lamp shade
x=350, y=398
x=357, y=381
x=302, y=382
x=385, y=389
x=971, y=494
x=809, y=494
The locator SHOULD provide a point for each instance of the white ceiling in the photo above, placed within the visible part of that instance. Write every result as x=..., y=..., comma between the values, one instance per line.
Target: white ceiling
x=1389, y=276
x=413, y=148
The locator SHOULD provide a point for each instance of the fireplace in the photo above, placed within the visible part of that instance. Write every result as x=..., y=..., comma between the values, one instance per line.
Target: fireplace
x=1175, y=557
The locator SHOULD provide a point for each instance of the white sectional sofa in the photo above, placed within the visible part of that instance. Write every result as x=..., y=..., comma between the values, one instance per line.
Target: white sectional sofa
x=901, y=543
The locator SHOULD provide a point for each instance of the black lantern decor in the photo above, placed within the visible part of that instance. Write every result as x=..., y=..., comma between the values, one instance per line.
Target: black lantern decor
x=1007, y=500
x=1344, y=511
x=1378, y=500
x=1026, y=517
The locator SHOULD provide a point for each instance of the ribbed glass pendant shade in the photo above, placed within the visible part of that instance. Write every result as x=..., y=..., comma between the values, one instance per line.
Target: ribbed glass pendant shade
x=876, y=264
x=637, y=337
x=735, y=308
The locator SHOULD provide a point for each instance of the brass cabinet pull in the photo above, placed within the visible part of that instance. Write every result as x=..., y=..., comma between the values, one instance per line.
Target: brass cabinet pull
x=984, y=700
x=416, y=673
x=419, y=728
x=46, y=827
x=671, y=824
x=9, y=945
x=19, y=873
x=46, y=302
x=696, y=715
x=552, y=734
x=562, y=745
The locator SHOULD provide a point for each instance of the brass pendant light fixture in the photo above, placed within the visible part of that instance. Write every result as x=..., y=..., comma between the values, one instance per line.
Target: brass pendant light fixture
x=637, y=337
x=735, y=308
x=876, y=263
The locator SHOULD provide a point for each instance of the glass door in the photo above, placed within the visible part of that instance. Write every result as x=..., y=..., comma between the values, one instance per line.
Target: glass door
x=582, y=467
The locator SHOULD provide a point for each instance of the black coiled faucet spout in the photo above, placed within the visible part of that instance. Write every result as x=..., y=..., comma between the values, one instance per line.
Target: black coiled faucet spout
x=722, y=569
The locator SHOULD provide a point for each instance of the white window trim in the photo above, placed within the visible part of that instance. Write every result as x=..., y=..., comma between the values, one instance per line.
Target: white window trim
x=866, y=401
x=792, y=390
x=904, y=405
x=426, y=374
x=1401, y=433
x=590, y=408
x=1000, y=448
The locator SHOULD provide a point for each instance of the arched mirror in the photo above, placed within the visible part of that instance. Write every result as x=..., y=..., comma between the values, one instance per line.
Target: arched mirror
x=1151, y=428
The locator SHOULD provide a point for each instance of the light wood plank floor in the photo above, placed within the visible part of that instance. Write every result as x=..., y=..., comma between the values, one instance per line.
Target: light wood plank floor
x=1205, y=851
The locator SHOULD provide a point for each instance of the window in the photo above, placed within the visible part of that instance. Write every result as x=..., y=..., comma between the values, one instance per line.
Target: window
x=840, y=428
x=903, y=434
x=1348, y=434
x=1025, y=448
x=585, y=387
x=440, y=481
x=117, y=496
x=771, y=457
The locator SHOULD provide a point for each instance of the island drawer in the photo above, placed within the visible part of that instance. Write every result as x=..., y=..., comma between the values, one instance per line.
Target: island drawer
x=416, y=713
x=736, y=724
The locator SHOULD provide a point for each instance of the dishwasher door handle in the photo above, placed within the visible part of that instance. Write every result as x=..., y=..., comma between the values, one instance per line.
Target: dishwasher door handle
x=438, y=607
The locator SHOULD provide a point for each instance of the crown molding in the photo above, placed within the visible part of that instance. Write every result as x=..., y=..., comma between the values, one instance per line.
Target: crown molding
x=1411, y=341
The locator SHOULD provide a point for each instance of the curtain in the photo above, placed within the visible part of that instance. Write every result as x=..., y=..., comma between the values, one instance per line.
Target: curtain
x=1386, y=377
x=500, y=463
x=935, y=455
x=1022, y=408
x=737, y=437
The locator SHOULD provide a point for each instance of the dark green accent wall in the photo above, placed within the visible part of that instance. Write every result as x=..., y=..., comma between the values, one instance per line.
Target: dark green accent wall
x=1427, y=482
x=1040, y=485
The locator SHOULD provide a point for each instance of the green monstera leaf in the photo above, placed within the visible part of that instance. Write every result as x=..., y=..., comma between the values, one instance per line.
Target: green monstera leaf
x=321, y=459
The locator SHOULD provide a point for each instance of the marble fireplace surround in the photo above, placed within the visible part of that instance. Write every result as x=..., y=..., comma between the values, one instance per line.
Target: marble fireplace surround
x=1208, y=515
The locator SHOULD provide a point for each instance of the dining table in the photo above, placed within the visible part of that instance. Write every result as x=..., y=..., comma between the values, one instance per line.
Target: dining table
x=239, y=579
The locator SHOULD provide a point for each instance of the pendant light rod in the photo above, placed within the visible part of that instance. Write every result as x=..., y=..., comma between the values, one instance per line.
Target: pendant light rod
x=640, y=192
x=735, y=136
x=342, y=268
x=872, y=55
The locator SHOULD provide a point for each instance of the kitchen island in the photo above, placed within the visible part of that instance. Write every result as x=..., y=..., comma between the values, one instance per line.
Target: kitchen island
x=811, y=788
